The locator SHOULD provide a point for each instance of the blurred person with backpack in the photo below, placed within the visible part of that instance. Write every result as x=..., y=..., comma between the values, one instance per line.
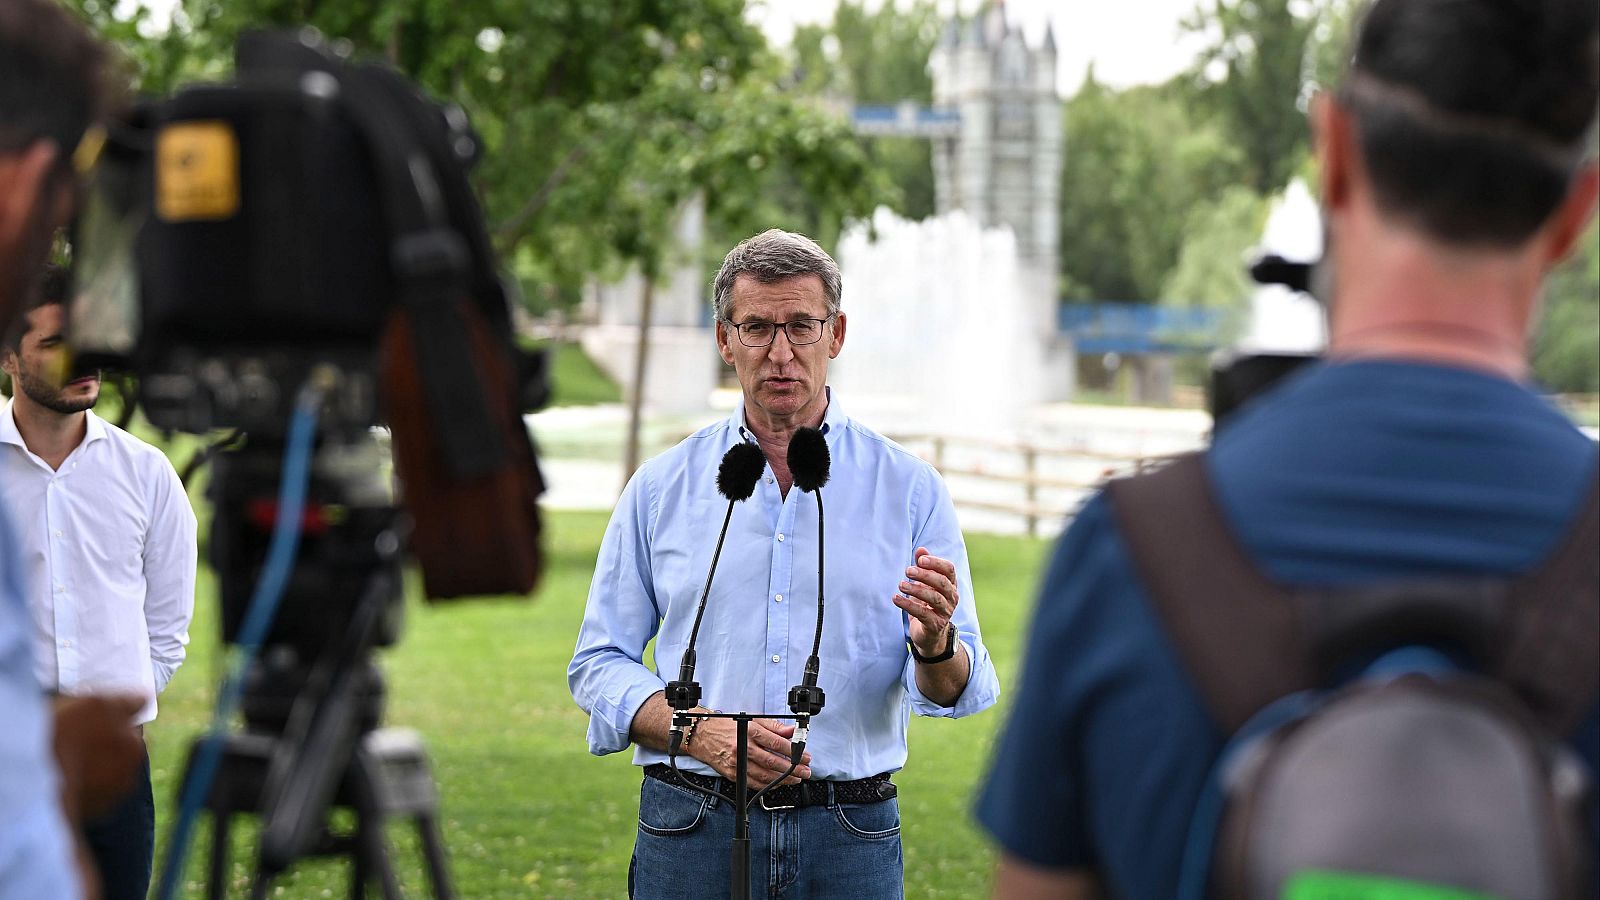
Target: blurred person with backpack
x=1350, y=650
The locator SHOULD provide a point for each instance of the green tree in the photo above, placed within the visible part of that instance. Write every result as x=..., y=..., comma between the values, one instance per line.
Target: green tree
x=600, y=119
x=1252, y=73
x=1210, y=272
x=878, y=57
x=1138, y=163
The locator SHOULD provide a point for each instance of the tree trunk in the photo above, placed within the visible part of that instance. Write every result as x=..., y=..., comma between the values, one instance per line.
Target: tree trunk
x=641, y=358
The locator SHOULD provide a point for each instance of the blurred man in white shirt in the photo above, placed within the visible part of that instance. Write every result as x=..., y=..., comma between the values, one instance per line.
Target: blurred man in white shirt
x=106, y=539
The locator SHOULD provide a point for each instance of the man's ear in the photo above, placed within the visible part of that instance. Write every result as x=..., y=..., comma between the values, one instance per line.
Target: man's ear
x=724, y=335
x=1331, y=136
x=1571, y=219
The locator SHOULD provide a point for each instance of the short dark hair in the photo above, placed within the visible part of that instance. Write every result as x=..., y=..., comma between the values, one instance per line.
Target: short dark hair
x=51, y=290
x=1474, y=115
x=55, y=76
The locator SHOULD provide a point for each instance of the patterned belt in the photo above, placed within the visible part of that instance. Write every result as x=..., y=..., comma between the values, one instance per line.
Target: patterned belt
x=873, y=789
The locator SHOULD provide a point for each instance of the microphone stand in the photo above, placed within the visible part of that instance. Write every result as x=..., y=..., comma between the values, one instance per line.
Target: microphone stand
x=742, y=800
x=805, y=700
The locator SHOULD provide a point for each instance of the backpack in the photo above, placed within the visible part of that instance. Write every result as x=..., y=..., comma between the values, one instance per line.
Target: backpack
x=1392, y=742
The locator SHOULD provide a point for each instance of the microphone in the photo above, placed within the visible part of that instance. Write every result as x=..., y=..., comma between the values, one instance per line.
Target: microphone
x=808, y=464
x=737, y=475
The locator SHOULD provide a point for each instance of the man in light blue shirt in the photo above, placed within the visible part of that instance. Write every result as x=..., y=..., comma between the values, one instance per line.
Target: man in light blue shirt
x=53, y=83
x=901, y=631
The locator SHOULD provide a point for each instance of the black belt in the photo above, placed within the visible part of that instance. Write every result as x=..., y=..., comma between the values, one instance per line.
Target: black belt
x=872, y=789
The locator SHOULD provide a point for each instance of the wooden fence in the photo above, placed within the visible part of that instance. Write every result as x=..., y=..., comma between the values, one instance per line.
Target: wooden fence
x=1049, y=479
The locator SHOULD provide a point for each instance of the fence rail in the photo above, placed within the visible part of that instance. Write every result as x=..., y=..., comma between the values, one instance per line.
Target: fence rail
x=1052, y=478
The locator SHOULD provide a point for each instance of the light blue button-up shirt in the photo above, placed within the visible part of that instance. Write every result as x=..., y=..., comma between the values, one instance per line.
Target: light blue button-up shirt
x=36, y=858
x=881, y=503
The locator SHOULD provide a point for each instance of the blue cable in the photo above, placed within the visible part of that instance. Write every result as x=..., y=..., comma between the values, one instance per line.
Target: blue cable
x=257, y=622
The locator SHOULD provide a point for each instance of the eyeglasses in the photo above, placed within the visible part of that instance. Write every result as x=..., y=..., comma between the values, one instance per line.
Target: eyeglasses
x=799, y=332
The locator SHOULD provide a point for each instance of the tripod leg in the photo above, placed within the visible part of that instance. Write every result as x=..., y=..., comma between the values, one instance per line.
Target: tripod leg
x=217, y=881
x=372, y=847
x=372, y=853
x=433, y=857
x=358, y=871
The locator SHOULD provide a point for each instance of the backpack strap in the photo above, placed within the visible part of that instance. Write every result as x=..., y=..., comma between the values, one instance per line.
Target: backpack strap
x=1237, y=633
x=1247, y=641
x=1552, y=654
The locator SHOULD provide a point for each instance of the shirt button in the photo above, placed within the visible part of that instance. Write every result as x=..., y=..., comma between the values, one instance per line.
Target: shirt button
x=60, y=589
x=58, y=534
x=778, y=598
x=775, y=657
x=66, y=643
x=769, y=479
x=780, y=537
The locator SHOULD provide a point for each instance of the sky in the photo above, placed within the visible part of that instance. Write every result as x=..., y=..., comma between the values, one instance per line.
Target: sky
x=1129, y=41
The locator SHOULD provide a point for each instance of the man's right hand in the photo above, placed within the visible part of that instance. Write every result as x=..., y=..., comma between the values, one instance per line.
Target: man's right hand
x=715, y=745
x=98, y=748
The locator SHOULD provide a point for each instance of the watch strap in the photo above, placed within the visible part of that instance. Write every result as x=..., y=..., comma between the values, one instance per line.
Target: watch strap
x=949, y=648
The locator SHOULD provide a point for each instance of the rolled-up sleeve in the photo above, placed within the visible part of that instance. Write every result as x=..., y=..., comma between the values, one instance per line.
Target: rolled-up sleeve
x=607, y=675
x=169, y=573
x=940, y=532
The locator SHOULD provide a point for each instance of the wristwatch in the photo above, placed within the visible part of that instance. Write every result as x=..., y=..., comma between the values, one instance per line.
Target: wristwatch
x=949, y=648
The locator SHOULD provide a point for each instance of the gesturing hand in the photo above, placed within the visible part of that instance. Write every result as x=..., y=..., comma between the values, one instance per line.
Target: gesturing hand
x=929, y=596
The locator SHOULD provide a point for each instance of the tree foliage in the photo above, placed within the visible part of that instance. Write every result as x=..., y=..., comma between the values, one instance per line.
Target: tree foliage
x=1210, y=271
x=878, y=57
x=1259, y=50
x=600, y=119
x=1138, y=165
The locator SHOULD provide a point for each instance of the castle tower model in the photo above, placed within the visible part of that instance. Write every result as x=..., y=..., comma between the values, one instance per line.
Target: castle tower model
x=1004, y=167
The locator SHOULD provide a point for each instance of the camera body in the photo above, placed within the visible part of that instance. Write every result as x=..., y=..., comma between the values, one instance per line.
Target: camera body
x=311, y=223
x=238, y=235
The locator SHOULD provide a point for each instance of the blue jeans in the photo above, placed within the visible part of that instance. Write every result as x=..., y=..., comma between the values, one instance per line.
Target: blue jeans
x=847, y=851
x=123, y=841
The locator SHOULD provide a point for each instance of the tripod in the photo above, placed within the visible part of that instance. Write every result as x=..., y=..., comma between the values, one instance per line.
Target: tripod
x=313, y=701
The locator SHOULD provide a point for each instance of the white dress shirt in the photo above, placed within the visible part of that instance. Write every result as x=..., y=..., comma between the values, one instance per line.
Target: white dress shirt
x=107, y=547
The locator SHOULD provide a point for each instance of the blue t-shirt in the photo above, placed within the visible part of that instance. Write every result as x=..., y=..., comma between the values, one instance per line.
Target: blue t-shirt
x=1348, y=473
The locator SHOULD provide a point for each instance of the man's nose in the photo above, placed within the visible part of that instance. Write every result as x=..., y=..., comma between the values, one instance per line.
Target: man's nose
x=781, y=350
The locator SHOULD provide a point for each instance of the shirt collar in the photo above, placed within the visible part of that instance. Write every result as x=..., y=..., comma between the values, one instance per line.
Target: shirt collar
x=94, y=429
x=832, y=420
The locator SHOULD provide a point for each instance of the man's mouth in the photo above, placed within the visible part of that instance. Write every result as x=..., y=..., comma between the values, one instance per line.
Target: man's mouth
x=781, y=382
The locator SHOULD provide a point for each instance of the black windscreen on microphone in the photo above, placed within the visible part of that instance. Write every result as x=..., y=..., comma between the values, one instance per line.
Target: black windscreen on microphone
x=737, y=475
x=808, y=459
x=741, y=468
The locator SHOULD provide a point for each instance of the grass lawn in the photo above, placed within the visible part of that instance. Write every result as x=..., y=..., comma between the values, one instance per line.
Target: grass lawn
x=574, y=378
x=528, y=812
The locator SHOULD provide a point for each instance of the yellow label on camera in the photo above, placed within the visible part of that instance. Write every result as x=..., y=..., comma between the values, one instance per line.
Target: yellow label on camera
x=197, y=172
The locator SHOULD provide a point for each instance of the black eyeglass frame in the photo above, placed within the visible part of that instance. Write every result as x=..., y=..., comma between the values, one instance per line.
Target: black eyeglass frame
x=739, y=328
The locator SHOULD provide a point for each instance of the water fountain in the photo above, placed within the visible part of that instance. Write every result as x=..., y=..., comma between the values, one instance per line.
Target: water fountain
x=947, y=329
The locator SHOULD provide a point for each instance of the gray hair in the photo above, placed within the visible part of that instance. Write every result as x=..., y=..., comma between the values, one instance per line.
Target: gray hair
x=775, y=255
